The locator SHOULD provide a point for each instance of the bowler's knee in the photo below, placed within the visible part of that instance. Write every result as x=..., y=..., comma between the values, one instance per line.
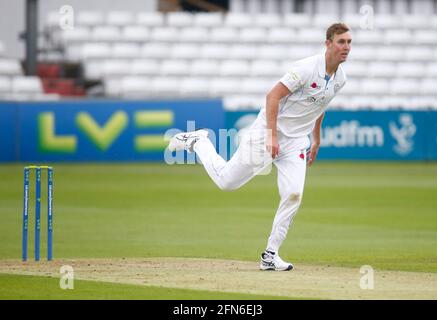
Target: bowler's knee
x=292, y=198
x=295, y=197
x=227, y=186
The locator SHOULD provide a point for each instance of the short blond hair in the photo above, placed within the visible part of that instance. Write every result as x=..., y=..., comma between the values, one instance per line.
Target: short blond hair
x=336, y=28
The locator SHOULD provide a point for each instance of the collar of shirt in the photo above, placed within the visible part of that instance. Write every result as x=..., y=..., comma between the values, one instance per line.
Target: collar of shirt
x=322, y=68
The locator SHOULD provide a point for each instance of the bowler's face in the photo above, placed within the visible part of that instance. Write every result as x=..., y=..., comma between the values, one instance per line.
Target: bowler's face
x=339, y=47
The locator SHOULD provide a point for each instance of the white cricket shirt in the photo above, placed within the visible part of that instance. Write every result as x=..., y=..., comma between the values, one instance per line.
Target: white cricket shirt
x=309, y=97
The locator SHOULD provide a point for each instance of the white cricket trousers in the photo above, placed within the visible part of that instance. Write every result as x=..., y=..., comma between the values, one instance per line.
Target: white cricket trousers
x=252, y=158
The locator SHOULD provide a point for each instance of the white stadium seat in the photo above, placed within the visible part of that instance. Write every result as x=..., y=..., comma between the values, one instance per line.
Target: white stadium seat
x=165, y=86
x=404, y=87
x=282, y=35
x=89, y=18
x=175, y=68
x=238, y=20
x=352, y=20
x=300, y=52
x=185, y=51
x=371, y=86
x=383, y=6
x=356, y=69
x=112, y=86
x=194, y=34
x=234, y=68
x=135, y=33
x=77, y=34
x=297, y=20
x=194, y=87
x=253, y=35
x=267, y=20
x=401, y=7
x=119, y=18
x=243, y=102
x=214, y=51
x=433, y=23
x=428, y=87
x=116, y=67
x=208, y=19
x=398, y=36
x=413, y=21
x=339, y=102
x=10, y=67
x=381, y=69
x=224, y=34
x=29, y=84
x=323, y=21
x=361, y=53
x=424, y=7
x=145, y=67
x=204, y=68
x=95, y=50
x=180, y=19
x=93, y=69
x=386, y=21
x=369, y=37
x=411, y=69
x=256, y=86
x=5, y=84
x=243, y=51
x=224, y=86
x=150, y=19
x=419, y=53
x=52, y=19
x=106, y=33
x=276, y=52
x=352, y=88
x=156, y=50
x=126, y=50
x=73, y=52
x=389, y=53
x=134, y=86
x=310, y=36
x=427, y=37
x=265, y=68
x=431, y=70
x=165, y=34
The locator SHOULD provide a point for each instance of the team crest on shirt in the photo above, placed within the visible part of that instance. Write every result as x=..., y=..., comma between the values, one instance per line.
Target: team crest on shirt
x=336, y=87
x=314, y=85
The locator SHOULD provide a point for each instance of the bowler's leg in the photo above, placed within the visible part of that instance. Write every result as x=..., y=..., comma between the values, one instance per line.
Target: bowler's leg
x=291, y=180
x=249, y=160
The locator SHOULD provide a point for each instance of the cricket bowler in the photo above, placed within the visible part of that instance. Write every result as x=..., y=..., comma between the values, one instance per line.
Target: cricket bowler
x=293, y=112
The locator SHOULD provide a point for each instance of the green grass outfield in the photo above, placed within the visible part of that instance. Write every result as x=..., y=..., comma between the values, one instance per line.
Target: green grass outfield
x=353, y=214
x=47, y=288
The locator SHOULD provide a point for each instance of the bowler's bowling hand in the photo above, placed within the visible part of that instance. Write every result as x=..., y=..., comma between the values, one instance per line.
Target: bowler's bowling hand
x=312, y=153
x=272, y=146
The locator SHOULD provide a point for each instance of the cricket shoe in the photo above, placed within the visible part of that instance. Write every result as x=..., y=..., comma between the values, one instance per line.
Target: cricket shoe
x=272, y=261
x=186, y=140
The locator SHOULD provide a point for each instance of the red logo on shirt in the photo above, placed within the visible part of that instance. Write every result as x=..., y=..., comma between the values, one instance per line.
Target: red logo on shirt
x=314, y=85
x=302, y=156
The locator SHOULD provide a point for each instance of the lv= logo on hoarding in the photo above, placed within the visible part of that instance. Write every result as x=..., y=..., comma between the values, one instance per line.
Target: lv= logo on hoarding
x=103, y=136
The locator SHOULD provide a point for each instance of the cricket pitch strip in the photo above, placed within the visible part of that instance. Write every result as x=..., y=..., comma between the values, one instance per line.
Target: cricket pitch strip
x=305, y=281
